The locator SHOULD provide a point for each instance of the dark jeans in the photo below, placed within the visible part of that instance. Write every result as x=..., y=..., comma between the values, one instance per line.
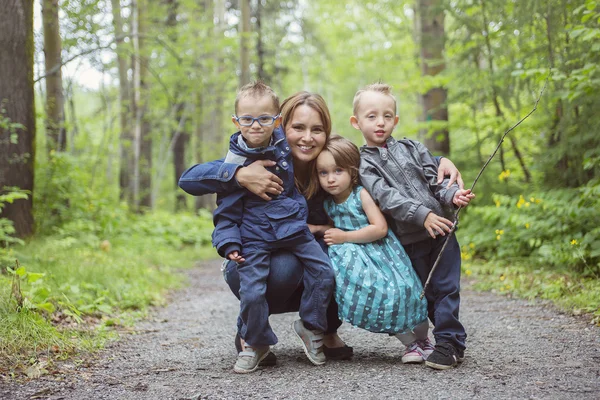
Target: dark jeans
x=443, y=293
x=285, y=285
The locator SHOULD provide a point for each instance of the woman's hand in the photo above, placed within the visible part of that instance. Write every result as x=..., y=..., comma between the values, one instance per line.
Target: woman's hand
x=318, y=230
x=258, y=180
x=447, y=168
x=334, y=236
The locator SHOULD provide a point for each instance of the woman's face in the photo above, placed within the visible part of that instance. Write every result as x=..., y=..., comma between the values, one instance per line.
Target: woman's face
x=305, y=134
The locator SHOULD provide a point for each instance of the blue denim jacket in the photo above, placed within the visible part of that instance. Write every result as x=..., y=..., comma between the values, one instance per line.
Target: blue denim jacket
x=242, y=217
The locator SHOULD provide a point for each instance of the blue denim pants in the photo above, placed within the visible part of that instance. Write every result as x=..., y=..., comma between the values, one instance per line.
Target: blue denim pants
x=318, y=281
x=443, y=293
x=284, y=285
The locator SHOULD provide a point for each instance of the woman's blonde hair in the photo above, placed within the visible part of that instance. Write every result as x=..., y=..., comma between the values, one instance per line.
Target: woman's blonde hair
x=345, y=154
x=317, y=103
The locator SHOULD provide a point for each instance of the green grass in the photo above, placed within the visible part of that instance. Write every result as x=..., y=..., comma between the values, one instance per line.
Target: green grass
x=569, y=291
x=77, y=292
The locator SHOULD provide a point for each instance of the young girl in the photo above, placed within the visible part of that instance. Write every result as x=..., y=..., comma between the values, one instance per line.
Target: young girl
x=376, y=286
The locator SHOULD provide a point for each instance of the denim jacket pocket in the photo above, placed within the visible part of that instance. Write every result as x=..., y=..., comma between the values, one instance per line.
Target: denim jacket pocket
x=284, y=219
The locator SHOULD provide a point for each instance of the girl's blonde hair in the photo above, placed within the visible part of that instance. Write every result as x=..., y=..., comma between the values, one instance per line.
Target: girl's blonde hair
x=317, y=103
x=345, y=154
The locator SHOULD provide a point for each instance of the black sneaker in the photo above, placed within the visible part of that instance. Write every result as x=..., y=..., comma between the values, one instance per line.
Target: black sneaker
x=269, y=361
x=445, y=356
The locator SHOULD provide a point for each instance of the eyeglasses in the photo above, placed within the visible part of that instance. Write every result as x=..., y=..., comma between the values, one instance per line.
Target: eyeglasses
x=263, y=120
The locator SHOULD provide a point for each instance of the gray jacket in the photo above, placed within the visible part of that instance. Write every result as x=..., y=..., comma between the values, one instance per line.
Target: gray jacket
x=402, y=179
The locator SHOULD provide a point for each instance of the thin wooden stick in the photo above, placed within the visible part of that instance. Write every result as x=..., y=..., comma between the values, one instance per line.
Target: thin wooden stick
x=454, y=225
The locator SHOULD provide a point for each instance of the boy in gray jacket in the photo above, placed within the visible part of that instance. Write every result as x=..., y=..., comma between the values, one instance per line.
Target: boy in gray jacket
x=401, y=175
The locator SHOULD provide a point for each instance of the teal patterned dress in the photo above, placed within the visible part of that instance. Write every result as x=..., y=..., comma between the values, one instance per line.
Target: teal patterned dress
x=376, y=287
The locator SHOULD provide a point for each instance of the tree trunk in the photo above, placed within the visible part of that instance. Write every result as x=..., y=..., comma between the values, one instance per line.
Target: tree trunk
x=432, y=41
x=180, y=136
x=17, y=143
x=260, y=51
x=245, y=43
x=125, y=142
x=145, y=159
x=55, y=103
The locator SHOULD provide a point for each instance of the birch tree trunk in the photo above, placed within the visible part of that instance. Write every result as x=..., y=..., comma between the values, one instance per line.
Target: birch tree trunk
x=432, y=40
x=17, y=143
x=55, y=103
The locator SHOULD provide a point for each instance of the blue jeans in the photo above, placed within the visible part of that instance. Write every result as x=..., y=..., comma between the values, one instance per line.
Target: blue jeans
x=443, y=293
x=318, y=281
x=284, y=286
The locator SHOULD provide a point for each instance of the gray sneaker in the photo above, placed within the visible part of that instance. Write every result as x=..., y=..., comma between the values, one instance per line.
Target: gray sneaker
x=249, y=359
x=312, y=342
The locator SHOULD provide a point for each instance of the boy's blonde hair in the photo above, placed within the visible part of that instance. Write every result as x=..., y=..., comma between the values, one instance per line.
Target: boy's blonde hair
x=374, y=87
x=255, y=90
x=345, y=154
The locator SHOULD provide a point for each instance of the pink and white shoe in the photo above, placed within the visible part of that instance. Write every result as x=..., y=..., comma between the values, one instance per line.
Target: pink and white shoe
x=426, y=346
x=413, y=354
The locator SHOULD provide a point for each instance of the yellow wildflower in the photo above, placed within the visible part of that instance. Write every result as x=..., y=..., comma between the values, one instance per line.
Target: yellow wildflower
x=521, y=201
x=468, y=272
x=504, y=175
x=502, y=277
x=527, y=225
x=498, y=237
x=472, y=245
x=573, y=242
x=497, y=203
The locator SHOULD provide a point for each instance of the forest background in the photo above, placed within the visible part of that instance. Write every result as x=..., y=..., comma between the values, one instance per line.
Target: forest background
x=105, y=103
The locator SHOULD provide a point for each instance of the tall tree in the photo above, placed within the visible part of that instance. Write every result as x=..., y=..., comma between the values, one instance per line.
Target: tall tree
x=432, y=39
x=17, y=142
x=55, y=114
x=245, y=42
x=142, y=142
x=125, y=134
x=142, y=106
x=180, y=136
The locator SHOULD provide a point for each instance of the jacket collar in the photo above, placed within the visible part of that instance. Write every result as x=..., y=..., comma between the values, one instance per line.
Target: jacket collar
x=239, y=147
x=375, y=149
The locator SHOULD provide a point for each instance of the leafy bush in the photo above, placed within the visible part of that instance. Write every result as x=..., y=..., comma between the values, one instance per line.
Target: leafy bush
x=7, y=230
x=555, y=229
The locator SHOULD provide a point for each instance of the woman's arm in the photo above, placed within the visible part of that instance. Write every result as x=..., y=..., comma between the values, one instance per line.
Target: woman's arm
x=319, y=230
x=218, y=177
x=376, y=230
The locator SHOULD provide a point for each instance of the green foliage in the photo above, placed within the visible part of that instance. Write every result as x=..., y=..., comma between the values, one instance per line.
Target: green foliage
x=7, y=230
x=565, y=288
x=71, y=286
x=551, y=230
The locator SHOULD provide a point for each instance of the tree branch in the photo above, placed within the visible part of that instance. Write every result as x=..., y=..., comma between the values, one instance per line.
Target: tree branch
x=439, y=257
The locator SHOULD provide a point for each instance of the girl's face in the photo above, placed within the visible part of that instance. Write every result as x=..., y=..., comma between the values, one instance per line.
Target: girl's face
x=335, y=180
x=305, y=134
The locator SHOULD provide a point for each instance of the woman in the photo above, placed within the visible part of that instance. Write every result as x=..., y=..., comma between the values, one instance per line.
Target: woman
x=307, y=124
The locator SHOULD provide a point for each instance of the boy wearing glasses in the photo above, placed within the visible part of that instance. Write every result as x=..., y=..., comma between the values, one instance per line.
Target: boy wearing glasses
x=248, y=229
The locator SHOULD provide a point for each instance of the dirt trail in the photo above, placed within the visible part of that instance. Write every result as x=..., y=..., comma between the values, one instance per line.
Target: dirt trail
x=517, y=350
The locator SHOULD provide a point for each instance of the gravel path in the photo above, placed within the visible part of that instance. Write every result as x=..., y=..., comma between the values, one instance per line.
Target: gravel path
x=517, y=350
